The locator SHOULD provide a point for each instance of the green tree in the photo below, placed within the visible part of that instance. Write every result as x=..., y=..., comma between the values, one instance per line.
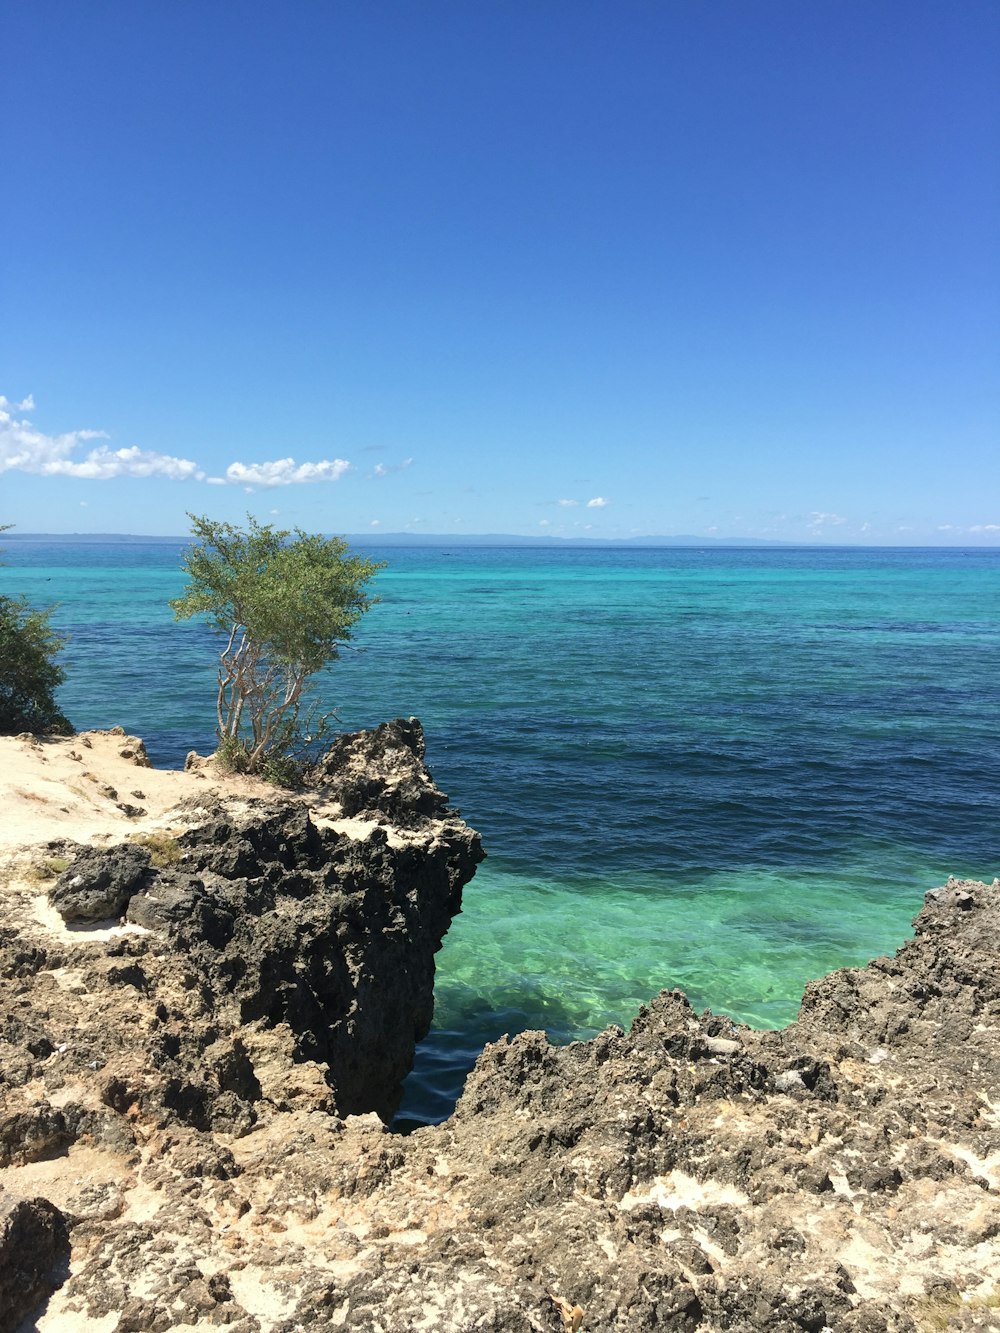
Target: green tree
x=284, y=603
x=29, y=673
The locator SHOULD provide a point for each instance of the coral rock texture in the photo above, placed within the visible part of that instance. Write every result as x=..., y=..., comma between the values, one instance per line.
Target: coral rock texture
x=180, y=1098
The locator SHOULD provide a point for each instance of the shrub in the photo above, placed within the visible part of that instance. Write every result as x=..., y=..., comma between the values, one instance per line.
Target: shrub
x=284, y=603
x=29, y=673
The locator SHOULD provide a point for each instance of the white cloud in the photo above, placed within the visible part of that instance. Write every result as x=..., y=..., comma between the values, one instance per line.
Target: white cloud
x=384, y=469
x=375, y=523
x=818, y=520
x=102, y=463
x=598, y=502
x=569, y=504
x=285, y=472
x=985, y=527
x=25, y=449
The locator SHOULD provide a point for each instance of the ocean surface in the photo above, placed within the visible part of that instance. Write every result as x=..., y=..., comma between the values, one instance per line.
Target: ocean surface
x=725, y=770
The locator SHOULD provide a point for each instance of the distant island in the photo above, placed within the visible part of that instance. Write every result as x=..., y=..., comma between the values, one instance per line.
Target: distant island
x=492, y=539
x=508, y=539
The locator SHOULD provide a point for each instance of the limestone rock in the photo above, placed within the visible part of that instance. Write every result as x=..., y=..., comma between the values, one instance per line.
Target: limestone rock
x=380, y=773
x=183, y=1087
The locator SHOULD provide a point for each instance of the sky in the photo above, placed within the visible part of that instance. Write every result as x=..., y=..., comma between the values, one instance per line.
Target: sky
x=580, y=268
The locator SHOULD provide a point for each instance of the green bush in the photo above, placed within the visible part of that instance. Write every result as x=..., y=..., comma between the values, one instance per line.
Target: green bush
x=29, y=674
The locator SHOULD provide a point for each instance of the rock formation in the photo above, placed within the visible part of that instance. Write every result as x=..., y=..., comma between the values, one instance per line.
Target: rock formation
x=181, y=1090
x=251, y=957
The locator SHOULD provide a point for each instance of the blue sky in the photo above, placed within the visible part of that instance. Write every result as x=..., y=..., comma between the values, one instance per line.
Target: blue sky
x=526, y=266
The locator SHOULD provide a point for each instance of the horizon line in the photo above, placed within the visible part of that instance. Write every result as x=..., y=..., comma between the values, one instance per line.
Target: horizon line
x=541, y=539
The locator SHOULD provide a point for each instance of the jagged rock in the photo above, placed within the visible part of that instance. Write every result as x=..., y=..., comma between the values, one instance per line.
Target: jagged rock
x=100, y=881
x=282, y=922
x=380, y=774
x=689, y=1174
x=34, y=1248
x=269, y=920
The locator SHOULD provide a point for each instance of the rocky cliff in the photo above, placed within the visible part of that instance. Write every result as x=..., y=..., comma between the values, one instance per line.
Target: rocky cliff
x=251, y=956
x=180, y=1154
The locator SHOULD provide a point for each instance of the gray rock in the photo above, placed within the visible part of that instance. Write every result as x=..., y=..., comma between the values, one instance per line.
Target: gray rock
x=721, y=1045
x=100, y=881
x=380, y=773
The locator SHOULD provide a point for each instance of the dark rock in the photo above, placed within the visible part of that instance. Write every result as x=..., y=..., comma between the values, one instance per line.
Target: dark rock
x=273, y=921
x=34, y=1249
x=381, y=773
x=100, y=881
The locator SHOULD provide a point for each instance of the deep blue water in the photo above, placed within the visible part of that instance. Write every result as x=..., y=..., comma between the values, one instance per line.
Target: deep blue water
x=729, y=770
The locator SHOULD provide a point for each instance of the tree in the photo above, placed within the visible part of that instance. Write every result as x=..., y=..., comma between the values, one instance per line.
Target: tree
x=29, y=673
x=284, y=602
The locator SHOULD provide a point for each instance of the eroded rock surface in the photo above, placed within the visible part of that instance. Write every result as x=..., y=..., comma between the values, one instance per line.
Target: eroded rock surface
x=34, y=1248
x=179, y=1098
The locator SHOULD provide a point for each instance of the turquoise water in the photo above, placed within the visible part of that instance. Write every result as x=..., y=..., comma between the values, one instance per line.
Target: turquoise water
x=727, y=770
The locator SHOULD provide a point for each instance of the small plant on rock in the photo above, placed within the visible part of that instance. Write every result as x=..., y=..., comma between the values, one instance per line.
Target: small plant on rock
x=48, y=868
x=164, y=849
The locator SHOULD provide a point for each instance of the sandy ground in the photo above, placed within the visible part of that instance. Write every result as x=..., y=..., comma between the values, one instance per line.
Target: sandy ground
x=96, y=787
x=84, y=787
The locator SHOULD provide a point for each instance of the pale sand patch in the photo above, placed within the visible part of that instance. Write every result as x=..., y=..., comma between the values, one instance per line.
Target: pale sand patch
x=259, y=1296
x=328, y=815
x=678, y=1190
x=57, y=1317
x=987, y=1167
x=61, y=1177
x=70, y=787
x=79, y=932
x=61, y=787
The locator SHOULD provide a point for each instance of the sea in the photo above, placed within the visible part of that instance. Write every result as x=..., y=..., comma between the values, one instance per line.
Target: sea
x=726, y=770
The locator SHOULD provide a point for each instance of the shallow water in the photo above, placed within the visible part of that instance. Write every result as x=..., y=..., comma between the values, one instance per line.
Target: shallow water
x=728, y=770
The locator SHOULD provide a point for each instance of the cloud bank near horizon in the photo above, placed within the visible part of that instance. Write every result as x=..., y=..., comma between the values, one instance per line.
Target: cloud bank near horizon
x=24, y=448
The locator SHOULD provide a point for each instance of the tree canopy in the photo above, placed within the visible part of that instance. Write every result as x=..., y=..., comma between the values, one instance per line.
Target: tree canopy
x=285, y=602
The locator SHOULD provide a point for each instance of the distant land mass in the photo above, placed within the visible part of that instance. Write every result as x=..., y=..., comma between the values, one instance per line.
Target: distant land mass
x=543, y=539
x=501, y=539
x=432, y=539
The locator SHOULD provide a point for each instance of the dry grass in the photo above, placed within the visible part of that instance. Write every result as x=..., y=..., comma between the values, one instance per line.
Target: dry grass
x=164, y=849
x=936, y=1315
x=45, y=869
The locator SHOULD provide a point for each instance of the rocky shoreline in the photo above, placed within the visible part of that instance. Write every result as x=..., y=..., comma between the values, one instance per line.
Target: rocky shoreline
x=204, y=1033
